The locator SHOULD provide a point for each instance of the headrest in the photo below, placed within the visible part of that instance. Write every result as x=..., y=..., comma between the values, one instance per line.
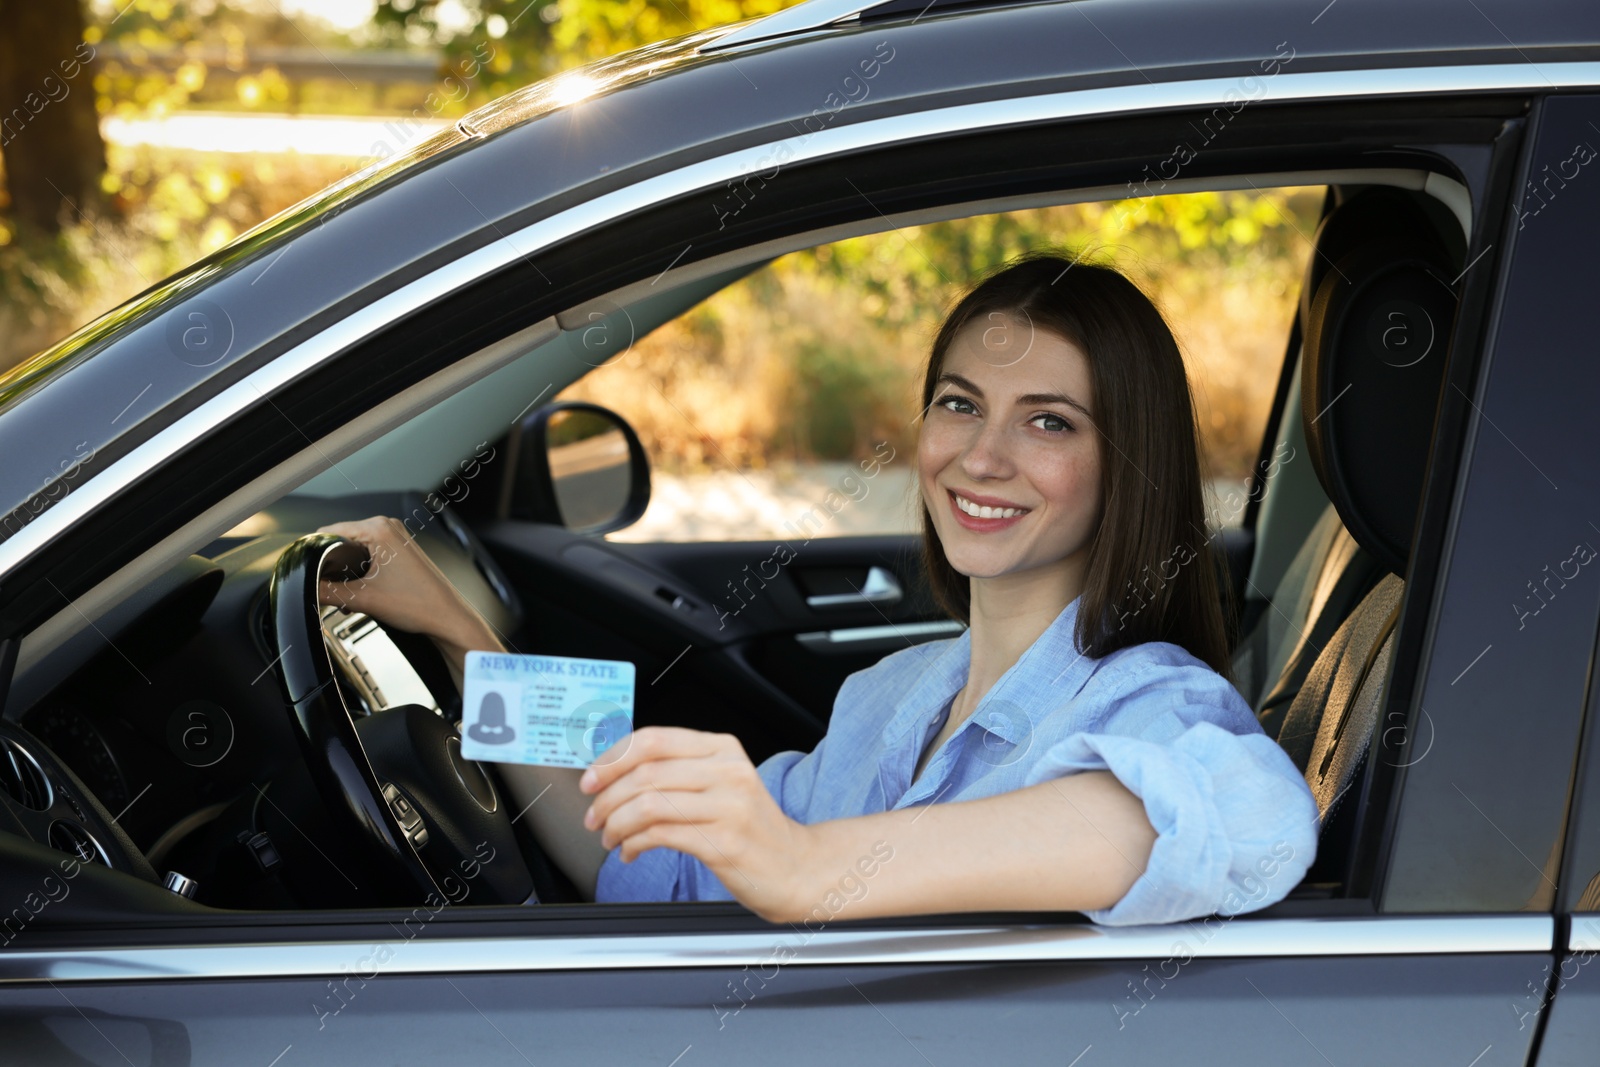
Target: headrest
x=1377, y=333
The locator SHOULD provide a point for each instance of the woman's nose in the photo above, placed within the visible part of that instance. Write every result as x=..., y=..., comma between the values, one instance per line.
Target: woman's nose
x=989, y=454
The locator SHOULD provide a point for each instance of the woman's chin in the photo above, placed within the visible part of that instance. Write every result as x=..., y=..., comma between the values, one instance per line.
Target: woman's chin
x=984, y=567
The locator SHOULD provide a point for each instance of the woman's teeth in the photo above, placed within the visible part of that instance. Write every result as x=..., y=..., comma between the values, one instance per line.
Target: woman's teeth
x=980, y=512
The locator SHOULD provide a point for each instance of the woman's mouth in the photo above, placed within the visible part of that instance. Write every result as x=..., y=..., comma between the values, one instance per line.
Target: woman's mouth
x=986, y=514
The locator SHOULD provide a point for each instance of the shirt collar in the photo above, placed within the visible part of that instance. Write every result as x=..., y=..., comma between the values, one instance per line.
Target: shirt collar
x=1048, y=673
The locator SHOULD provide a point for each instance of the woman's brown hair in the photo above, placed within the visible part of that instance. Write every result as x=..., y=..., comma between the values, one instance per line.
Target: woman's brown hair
x=1152, y=571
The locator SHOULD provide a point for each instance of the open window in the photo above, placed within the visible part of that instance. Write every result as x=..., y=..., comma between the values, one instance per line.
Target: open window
x=741, y=374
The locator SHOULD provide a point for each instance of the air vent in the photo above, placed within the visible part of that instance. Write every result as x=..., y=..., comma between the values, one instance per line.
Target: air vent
x=22, y=778
x=72, y=838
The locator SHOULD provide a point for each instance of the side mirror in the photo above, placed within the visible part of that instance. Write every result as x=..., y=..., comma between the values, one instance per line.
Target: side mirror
x=577, y=465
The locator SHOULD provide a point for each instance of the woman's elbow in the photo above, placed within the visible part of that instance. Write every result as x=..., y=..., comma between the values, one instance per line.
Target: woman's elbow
x=1265, y=874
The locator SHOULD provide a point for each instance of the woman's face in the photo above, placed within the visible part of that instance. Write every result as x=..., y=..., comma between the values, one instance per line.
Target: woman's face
x=1009, y=459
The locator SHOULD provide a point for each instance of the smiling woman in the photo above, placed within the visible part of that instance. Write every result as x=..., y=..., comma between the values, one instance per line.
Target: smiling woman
x=1076, y=749
x=1069, y=751
x=1101, y=451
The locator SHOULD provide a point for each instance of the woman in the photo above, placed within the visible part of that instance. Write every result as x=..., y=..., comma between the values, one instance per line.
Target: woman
x=1078, y=748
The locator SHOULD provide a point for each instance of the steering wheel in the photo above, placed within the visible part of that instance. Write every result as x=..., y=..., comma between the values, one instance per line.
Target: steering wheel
x=428, y=822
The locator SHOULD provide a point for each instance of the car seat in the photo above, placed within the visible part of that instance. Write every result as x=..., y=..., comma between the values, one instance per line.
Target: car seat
x=1331, y=572
x=1373, y=367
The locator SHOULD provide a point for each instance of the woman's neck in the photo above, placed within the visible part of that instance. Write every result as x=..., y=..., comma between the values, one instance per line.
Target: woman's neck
x=1008, y=615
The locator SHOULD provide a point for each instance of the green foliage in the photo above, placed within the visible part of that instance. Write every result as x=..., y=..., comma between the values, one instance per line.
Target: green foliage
x=816, y=357
x=591, y=29
x=533, y=39
x=514, y=33
x=159, y=56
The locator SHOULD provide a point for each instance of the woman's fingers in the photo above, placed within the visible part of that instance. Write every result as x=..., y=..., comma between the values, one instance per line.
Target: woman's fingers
x=680, y=837
x=698, y=793
x=645, y=809
x=402, y=588
x=345, y=595
x=643, y=745
x=688, y=774
x=369, y=533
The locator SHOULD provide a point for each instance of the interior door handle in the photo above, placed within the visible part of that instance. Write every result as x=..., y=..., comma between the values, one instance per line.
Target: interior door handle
x=881, y=587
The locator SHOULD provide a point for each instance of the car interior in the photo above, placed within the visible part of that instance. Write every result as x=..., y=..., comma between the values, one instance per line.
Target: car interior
x=196, y=727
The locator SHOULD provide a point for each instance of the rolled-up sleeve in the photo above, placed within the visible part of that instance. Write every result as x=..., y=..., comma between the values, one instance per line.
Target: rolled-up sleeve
x=1236, y=824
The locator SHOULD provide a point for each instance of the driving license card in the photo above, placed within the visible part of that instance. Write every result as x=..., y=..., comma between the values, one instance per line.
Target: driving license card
x=551, y=711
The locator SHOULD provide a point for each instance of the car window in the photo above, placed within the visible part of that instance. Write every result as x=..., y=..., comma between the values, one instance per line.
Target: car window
x=801, y=380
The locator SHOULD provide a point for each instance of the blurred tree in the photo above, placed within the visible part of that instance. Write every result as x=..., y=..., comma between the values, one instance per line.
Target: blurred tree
x=532, y=39
x=592, y=29
x=162, y=56
x=514, y=35
x=49, y=129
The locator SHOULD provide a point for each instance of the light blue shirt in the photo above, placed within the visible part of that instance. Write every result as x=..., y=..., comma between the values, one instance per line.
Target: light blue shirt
x=1236, y=823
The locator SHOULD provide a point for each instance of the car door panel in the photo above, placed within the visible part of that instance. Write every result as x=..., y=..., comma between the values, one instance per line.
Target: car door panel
x=1163, y=1001
x=1525, y=494
x=1568, y=996
x=808, y=621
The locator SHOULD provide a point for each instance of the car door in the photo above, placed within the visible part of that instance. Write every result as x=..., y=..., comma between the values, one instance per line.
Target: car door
x=1413, y=967
x=1554, y=611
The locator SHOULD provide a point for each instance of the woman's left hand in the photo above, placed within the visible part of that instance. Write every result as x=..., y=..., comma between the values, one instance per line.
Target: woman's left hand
x=697, y=792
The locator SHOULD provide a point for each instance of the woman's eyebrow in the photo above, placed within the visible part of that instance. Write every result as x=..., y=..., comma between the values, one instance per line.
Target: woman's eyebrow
x=1053, y=398
x=1028, y=399
x=961, y=383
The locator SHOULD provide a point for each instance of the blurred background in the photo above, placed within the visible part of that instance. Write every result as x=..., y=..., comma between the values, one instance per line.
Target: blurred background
x=172, y=126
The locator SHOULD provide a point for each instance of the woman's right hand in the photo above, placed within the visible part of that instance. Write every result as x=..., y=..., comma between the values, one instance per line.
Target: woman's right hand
x=403, y=589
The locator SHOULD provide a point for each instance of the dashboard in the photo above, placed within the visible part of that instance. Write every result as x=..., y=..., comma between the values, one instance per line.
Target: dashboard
x=158, y=740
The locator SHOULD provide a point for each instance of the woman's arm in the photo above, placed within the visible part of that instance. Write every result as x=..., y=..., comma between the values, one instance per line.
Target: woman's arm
x=405, y=590
x=1074, y=843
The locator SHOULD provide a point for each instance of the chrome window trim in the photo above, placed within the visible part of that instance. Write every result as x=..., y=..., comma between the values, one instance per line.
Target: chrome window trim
x=871, y=133
x=1585, y=933
x=1222, y=939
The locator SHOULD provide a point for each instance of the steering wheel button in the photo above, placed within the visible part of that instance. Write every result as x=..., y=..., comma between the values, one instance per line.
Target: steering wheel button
x=180, y=884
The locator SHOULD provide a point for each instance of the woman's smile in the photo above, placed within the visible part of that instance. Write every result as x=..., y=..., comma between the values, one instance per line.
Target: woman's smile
x=984, y=514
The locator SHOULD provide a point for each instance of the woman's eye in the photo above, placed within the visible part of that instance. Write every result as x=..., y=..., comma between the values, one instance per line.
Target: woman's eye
x=959, y=404
x=1052, y=423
